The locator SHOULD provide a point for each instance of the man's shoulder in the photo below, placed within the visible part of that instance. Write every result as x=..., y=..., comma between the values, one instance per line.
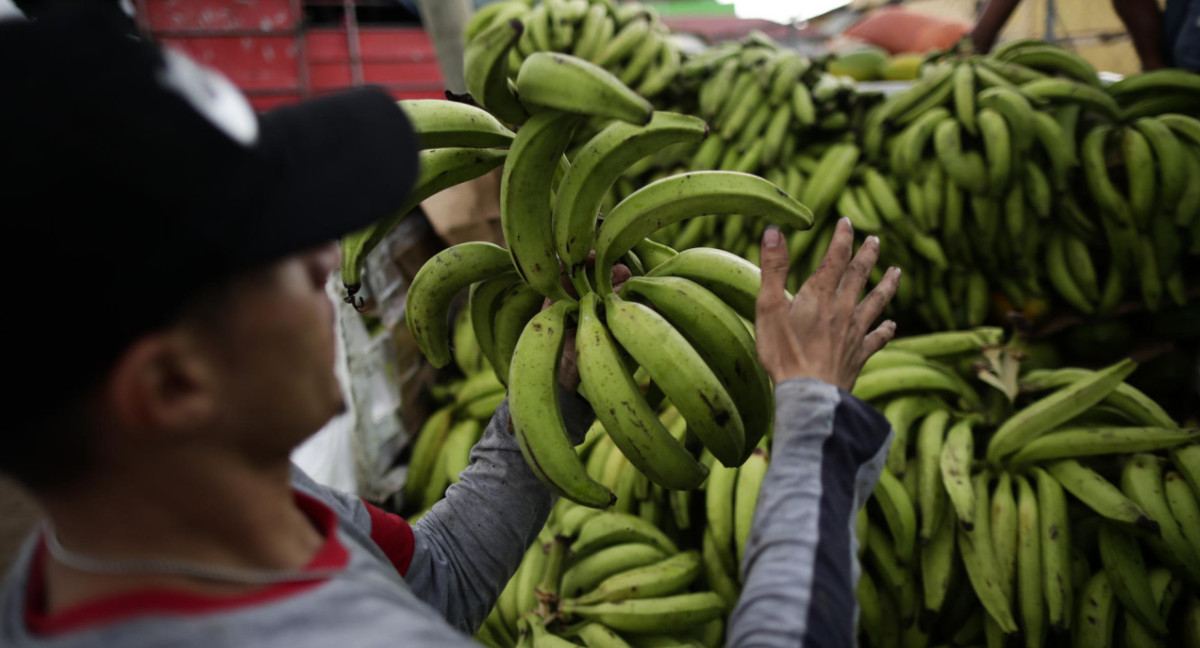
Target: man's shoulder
x=346, y=610
x=360, y=605
x=348, y=508
x=352, y=609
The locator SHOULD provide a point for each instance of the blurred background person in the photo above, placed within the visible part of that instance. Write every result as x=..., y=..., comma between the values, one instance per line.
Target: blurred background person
x=1162, y=38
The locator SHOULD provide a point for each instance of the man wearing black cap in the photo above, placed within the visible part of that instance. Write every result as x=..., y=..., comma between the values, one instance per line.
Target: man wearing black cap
x=159, y=400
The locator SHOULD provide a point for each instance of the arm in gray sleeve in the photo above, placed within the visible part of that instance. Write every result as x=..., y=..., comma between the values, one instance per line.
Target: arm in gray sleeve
x=470, y=543
x=800, y=560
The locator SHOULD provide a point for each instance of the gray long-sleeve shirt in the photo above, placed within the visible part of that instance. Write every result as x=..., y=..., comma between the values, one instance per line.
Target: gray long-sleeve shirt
x=383, y=583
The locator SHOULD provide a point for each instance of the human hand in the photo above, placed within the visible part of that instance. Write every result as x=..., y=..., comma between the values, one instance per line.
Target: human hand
x=568, y=369
x=822, y=332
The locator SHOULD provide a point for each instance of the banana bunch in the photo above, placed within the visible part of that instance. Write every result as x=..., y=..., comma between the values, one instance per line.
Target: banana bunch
x=442, y=447
x=657, y=569
x=1157, y=92
x=1059, y=508
x=970, y=536
x=627, y=39
x=606, y=579
x=999, y=150
x=682, y=332
x=1137, y=175
x=759, y=95
x=1045, y=178
x=730, y=498
x=777, y=114
x=458, y=143
x=1003, y=182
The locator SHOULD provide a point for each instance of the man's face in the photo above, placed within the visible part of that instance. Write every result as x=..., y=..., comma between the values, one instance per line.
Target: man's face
x=273, y=354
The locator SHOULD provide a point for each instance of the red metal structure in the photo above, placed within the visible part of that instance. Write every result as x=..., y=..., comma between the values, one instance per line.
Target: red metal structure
x=268, y=50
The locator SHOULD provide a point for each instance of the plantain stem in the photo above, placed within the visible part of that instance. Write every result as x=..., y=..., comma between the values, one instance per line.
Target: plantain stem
x=579, y=279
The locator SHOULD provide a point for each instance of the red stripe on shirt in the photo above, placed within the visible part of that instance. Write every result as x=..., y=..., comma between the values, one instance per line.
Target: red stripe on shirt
x=157, y=601
x=394, y=536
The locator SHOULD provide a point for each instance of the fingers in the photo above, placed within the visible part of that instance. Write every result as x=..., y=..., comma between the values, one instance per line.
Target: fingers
x=773, y=259
x=833, y=265
x=876, y=340
x=859, y=270
x=873, y=304
x=620, y=274
x=568, y=368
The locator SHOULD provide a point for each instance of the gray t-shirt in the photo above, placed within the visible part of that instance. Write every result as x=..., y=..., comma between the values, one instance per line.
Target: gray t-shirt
x=433, y=584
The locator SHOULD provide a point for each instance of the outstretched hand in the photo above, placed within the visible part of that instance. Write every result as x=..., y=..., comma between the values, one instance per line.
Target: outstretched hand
x=824, y=332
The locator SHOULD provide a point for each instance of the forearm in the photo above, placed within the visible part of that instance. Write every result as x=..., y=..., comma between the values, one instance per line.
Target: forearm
x=991, y=20
x=1144, y=22
x=470, y=543
x=800, y=562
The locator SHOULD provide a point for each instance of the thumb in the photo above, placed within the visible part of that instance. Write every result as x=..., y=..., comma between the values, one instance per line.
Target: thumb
x=773, y=259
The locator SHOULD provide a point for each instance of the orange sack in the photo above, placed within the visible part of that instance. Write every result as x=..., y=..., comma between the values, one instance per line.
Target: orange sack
x=897, y=30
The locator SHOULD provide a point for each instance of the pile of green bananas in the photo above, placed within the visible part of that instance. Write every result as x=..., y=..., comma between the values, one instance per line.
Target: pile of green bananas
x=779, y=115
x=1014, y=175
x=977, y=172
x=657, y=568
x=1157, y=92
x=442, y=447
x=679, y=322
x=646, y=572
x=605, y=579
x=1047, y=507
x=970, y=536
x=1028, y=172
x=628, y=39
x=762, y=97
x=1139, y=177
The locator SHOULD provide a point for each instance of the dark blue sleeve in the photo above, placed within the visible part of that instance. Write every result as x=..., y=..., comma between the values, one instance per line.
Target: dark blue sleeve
x=800, y=560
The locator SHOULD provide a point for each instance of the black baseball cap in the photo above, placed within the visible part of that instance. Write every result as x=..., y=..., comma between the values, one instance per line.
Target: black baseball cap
x=131, y=178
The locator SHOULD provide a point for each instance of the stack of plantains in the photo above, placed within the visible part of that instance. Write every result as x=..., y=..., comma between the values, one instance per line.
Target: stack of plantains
x=1033, y=178
x=627, y=39
x=1043, y=506
x=1014, y=176
x=1058, y=508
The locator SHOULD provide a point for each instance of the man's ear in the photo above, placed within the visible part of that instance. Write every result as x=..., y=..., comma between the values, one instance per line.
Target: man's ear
x=162, y=383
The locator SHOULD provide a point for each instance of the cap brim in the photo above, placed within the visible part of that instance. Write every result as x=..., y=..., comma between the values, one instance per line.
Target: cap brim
x=334, y=165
